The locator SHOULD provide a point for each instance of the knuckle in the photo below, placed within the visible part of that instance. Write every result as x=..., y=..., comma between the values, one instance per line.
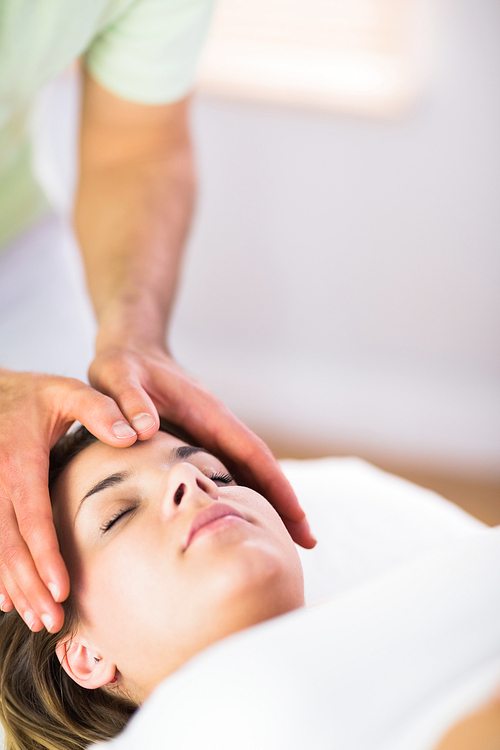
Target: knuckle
x=13, y=597
x=75, y=385
x=29, y=524
x=45, y=551
x=57, y=387
x=33, y=523
x=12, y=555
x=125, y=391
x=84, y=400
x=73, y=389
x=133, y=400
x=11, y=473
x=107, y=371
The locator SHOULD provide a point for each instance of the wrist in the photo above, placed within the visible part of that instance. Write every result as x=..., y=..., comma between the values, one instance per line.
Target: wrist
x=132, y=323
x=128, y=343
x=136, y=337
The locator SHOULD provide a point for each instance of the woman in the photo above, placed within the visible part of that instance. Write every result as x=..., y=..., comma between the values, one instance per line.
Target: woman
x=161, y=541
x=167, y=555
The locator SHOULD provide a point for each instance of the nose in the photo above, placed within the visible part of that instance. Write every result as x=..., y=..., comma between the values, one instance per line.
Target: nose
x=187, y=485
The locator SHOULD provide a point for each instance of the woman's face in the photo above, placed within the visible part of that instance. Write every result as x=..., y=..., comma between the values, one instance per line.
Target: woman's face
x=166, y=555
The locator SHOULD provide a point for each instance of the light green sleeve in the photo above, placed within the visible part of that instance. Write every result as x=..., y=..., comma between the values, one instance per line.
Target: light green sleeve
x=149, y=54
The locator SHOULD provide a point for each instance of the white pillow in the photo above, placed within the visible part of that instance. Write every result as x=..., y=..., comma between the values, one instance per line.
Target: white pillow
x=388, y=665
x=409, y=638
x=367, y=522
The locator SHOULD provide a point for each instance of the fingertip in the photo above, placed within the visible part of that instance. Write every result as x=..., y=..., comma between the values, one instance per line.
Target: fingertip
x=301, y=533
x=59, y=593
x=310, y=542
x=32, y=621
x=306, y=540
x=55, y=577
x=145, y=425
x=54, y=620
x=5, y=603
x=123, y=431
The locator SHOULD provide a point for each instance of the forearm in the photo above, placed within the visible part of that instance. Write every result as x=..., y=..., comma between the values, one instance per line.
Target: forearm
x=132, y=214
x=132, y=223
x=134, y=203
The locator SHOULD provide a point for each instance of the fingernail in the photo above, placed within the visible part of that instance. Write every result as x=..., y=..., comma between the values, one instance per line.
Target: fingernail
x=123, y=430
x=2, y=601
x=29, y=619
x=54, y=590
x=142, y=422
x=4, y=606
x=47, y=621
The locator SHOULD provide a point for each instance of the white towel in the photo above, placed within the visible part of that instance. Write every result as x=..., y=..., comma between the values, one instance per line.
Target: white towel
x=408, y=642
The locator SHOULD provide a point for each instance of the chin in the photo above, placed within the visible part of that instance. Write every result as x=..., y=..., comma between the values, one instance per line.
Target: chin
x=239, y=593
x=257, y=586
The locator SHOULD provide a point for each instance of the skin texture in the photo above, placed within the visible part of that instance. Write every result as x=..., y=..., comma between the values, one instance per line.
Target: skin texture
x=134, y=202
x=171, y=595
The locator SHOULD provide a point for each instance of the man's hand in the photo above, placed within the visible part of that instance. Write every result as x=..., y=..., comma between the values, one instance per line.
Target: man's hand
x=35, y=410
x=147, y=382
x=134, y=203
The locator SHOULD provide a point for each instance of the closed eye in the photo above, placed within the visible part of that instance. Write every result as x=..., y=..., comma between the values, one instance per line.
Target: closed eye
x=221, y=478
x=116, y=517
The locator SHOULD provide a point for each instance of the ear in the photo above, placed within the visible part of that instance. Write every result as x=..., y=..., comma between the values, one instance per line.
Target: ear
x=87, y=668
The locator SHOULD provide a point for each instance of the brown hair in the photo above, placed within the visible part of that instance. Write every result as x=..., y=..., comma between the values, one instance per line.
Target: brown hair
x=41, y=707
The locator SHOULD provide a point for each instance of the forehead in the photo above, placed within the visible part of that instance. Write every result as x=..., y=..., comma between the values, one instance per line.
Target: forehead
x=99, y=460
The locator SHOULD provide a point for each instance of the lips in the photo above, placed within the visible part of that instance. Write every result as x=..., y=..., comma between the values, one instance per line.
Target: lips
x=208, y=515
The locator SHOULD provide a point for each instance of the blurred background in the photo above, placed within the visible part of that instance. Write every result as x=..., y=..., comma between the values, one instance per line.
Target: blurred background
x=341, y=290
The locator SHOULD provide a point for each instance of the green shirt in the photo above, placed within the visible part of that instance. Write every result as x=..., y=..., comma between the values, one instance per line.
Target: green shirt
x=141, y=50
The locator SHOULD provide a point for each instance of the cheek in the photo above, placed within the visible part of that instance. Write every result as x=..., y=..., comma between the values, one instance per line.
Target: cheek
x=123, y=590
x=139, y=604
x=269, y=521
x=139, y=595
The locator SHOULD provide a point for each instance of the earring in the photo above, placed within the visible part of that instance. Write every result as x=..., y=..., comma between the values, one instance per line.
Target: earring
x=96, y=660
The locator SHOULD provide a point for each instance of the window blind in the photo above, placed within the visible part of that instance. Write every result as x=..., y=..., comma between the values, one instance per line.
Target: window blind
x=366, y=56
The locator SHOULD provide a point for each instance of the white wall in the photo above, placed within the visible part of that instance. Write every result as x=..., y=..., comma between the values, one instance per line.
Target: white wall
x=342, y=283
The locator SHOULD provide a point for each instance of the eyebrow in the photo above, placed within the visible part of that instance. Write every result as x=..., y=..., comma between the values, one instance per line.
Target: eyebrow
x=185, y=451
x=110, y=481
x=174, y=456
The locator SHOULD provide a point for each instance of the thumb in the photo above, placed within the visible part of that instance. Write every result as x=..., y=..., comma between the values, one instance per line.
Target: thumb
x=97, y=412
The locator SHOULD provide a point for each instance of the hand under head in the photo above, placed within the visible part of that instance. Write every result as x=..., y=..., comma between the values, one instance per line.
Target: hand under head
x=166, y=555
